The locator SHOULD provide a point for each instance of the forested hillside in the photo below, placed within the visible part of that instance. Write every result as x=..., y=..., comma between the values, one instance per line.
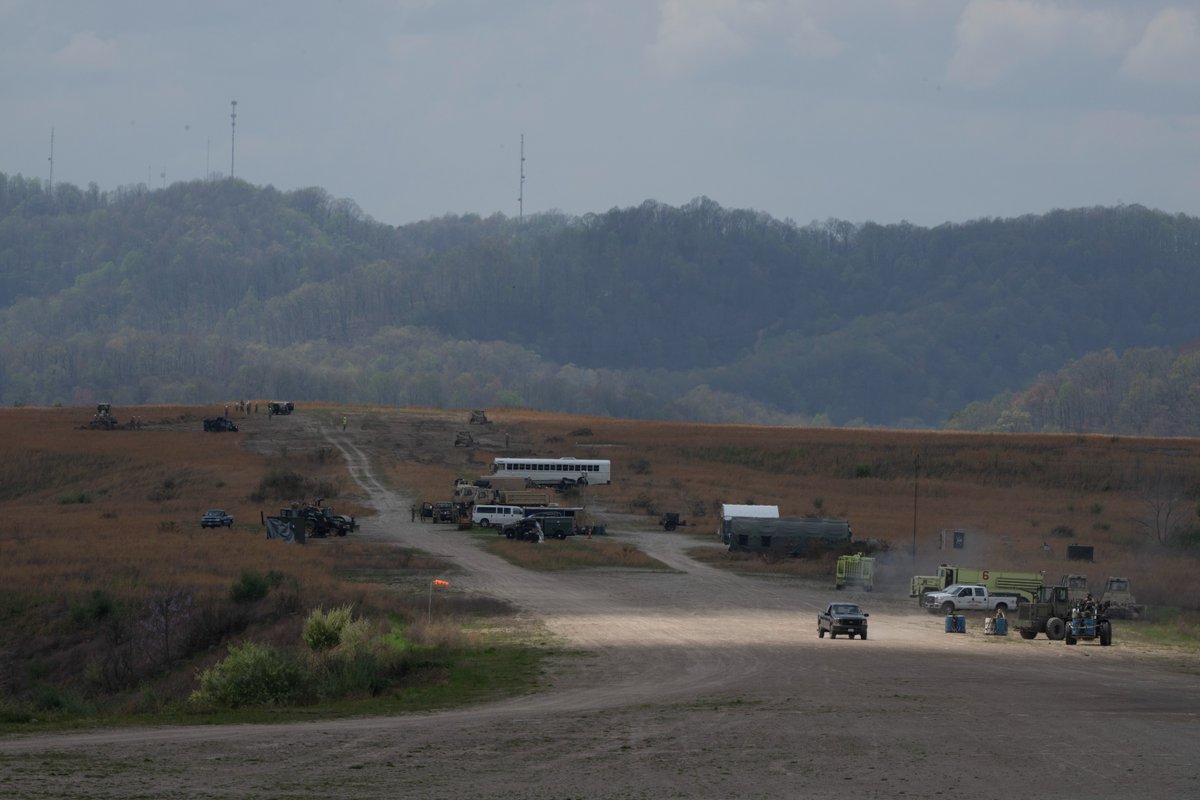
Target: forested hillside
x=209, y=291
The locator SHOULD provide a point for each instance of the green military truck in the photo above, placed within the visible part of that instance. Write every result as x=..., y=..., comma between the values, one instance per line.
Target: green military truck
x=1024, y=584
x=1047, y=614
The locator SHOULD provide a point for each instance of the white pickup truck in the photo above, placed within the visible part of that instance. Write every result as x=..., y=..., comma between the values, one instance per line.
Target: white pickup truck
x=968, y=597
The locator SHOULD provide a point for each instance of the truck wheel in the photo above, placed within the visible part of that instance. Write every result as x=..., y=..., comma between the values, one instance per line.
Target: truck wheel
x=1105, y=633
x=1028, y=634
x=863, y=635
x=1002, y=607
x=947, y=608
x=832, y=635
x=820, y=632
x=1055, y=629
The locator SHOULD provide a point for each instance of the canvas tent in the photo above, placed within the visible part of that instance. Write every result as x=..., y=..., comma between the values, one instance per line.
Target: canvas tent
x=731, y=511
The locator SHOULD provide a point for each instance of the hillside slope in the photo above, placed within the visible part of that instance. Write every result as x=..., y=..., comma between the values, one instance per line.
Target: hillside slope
x=211, y=290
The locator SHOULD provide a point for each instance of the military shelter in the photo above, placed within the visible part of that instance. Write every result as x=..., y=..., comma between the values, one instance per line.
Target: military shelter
x=788, y=536
x=730, y=511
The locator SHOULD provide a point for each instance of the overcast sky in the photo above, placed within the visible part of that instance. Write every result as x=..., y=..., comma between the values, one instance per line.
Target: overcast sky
x=920, y=110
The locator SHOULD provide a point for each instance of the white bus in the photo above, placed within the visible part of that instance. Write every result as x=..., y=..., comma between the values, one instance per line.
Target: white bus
x=555, y=471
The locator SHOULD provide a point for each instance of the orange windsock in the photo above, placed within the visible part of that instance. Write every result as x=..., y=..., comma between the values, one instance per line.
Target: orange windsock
x=440, y=582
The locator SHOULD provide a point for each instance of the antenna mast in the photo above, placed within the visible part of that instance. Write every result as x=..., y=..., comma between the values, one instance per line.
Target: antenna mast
x=521, y=196
x=232, y=133
x=51, y=161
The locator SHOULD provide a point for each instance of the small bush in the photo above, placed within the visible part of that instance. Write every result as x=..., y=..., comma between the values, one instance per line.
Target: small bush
x=250, y=587
x=1186, y=539
x=71, y=498
x=253, y=674
x=1063, y=532
x=167, y=490
x=281, y=484
x=323, y=630
x=99, y=605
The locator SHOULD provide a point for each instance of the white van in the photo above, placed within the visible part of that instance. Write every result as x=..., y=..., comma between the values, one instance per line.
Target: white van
x=496, y=516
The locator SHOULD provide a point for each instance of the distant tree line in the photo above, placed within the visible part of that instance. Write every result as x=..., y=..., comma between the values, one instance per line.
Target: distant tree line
x=214, y=289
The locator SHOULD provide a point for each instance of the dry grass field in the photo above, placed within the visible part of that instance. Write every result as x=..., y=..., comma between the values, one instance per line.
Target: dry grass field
x=635, y=664
x=98, y=519
x=1016, y=495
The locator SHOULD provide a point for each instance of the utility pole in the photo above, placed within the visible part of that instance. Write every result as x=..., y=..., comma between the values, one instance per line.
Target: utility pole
x=232, y=133
x=521, y=196
x=916, y=491
x=52, y=161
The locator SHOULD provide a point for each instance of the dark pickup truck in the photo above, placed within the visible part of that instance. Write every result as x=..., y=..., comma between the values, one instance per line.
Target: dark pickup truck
x=844, y=618
x=216, y=518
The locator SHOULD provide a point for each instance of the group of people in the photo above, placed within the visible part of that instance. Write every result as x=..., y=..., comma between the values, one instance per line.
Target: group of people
x=243, y=407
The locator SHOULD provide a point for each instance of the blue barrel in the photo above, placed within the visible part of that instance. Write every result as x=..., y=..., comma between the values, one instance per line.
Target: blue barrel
x=949, y=623
x=960, y=624
x=1001, y=626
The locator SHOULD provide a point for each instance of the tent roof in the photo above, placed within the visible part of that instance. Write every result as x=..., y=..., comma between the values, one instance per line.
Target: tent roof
x=729, y=510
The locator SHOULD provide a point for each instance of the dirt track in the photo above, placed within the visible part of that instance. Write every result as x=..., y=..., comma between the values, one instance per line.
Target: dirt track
x=695, y=683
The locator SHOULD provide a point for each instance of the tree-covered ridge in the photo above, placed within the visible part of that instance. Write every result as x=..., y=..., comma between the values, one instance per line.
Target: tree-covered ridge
x=209, y=290
x=1144, y=391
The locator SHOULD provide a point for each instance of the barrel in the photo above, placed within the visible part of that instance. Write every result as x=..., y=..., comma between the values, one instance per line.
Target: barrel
x=960, y=624
x=949, y=623
x=1001, y=626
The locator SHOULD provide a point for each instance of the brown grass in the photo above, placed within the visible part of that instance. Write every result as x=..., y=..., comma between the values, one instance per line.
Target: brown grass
x=118, y=511
x=1010, y=492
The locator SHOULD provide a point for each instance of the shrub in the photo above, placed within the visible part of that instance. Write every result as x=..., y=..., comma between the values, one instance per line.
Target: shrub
x=99, y=604
x=282, y=484
x=323, y=630
x=167, y=490
x=71, y=498
x=253, y=674
x=250, y=587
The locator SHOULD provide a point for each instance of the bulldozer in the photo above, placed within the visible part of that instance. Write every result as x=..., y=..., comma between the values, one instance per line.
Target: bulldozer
x=479, y=418
x=464, y=439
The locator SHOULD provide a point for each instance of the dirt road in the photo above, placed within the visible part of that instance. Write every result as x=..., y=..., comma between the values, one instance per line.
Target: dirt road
x=693, y=683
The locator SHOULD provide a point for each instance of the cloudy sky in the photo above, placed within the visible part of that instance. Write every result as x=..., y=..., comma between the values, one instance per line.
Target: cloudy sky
x=886, y=110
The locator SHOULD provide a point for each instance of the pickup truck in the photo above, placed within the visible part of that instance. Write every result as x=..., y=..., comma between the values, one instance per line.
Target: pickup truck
x=844, y=618
x=216, y=518
x=968, y=597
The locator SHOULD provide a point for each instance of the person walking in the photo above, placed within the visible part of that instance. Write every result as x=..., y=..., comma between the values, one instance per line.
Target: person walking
x=343, y=423
x=412, y=510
